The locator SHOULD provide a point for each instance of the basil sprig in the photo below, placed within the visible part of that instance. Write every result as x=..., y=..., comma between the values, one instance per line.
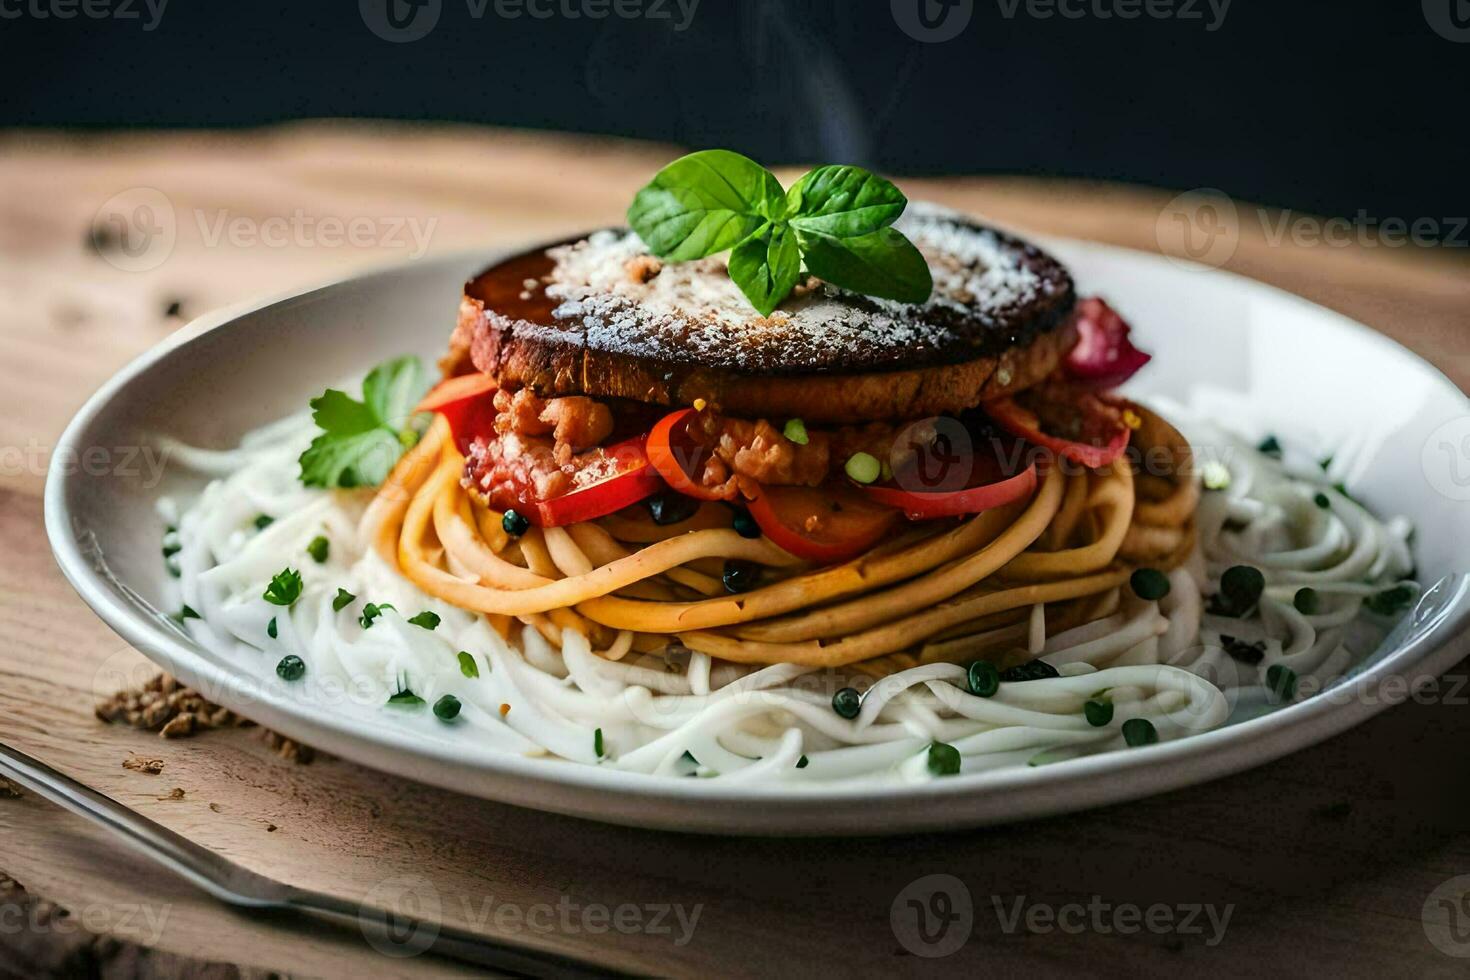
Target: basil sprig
x=836, y=221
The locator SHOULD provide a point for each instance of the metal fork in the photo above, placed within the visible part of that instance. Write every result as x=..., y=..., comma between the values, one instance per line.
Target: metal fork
x=240, y=887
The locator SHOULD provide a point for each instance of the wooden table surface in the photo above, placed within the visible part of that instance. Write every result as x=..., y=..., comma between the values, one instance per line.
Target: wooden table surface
x=1325, y=859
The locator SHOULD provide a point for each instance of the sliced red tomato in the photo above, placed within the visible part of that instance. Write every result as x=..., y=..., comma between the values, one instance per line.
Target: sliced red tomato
x=678, y=454
x=989, y=488
x=1073, y=421
x=467, y=403
x=1104, y=356
x=826, y=524
x=612, y=478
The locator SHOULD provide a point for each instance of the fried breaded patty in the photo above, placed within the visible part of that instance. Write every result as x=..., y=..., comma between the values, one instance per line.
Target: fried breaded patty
x=600, y=317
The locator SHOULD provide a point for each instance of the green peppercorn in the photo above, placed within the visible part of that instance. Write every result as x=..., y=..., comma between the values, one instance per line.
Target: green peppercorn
x=984, y=679
x=1099, y=714
x=1149, y=583
x=291, y=668
x=1139, y=731
x=514, y=524
x=1307, y=601
x=447, y=708
x=746, y=526
x=847, y=702
x=670, y=507
x=740, y=576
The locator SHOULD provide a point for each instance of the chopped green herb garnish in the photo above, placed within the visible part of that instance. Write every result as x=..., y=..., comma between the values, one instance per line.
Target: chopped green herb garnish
x=863, y=467
x=264, y=521
x=468, y=666
x=404, y=695
x=803, y=762
x=1325, y=462
x=427, y=620
x=291, y=668
x=795, y=430
x=1149, y=584
x=285, y=588
x=1270, y=446
x=372, y=611
x=171, y=565
x=835, y=220
x=343, y=600
x=1099, y=714
x=1139, y=731
x=1322, y=501
x=1247, y=653
x=1215, y=475
x=447, y=708
x=847, y=702
x=361, y=440
x=943, y=760
x=319, y=548
x=271, y=629
x=983, y=678
x=1035, y=670
x=1281, y=681
x=597, y=745
x=187, y=612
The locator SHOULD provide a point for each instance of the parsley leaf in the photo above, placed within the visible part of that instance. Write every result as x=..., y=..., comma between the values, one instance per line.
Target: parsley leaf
x=361, y=440
x=467, y=665
x=427, y=620
x=285, y=588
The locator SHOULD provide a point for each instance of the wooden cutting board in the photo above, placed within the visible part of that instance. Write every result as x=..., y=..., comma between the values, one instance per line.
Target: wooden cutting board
x=1325, y=859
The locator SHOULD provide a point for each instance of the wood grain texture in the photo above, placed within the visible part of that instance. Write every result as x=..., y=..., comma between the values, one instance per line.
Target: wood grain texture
x=1327, y=857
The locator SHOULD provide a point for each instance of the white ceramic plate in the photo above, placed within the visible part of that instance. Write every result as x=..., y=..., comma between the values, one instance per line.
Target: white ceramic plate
x=1308, y=372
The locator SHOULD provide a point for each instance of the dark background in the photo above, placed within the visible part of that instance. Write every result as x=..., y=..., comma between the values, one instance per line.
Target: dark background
x=1332, y=107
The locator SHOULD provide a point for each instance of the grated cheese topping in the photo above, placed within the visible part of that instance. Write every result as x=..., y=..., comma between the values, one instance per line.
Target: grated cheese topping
x=692, y=312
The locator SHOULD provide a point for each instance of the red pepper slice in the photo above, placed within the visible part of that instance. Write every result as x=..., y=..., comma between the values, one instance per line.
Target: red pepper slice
x=467, y=403
x=989, y=488
x=615, y=477
x=826, y=524
x=679, y=456
x=1073, y=421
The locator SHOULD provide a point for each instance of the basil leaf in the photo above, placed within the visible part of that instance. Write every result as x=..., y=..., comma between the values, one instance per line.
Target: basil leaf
x=361, y=440
x=884, y=264
x=844, y=202
x=705, y=203
x=765, y=269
